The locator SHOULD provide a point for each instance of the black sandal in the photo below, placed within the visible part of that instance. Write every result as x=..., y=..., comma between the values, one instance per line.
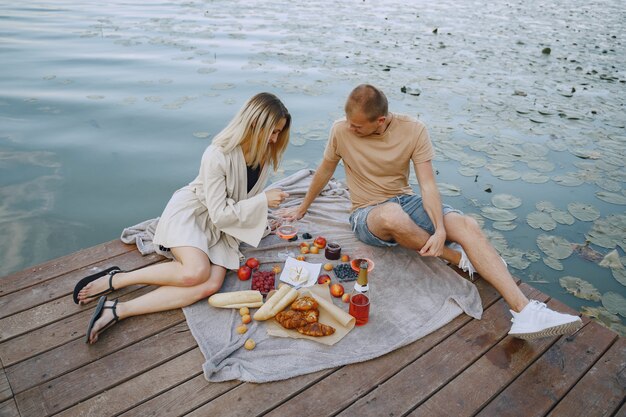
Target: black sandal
x=98, y=313
x=83, y=282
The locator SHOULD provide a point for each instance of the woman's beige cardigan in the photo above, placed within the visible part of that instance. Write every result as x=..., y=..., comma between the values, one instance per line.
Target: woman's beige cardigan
x=214, y=213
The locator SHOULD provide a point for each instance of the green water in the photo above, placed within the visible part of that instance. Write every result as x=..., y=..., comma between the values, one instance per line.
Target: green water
x=105, y=111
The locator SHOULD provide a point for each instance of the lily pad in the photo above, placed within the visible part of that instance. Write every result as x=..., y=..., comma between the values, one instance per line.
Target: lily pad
x=498, y=214
x=535, y=178
x=554, y=246
x=611, y=260
x=504, y=226
x=568, y=180
x=540, y=220
x=619, y=275
x=583, y=212
x=506, y=201
x=613, y=198
x=601, y=314
x=553, y=263
x=580, y=288
x=562, y=217
x=614, y=303
x=546, y=206
x=449, y=190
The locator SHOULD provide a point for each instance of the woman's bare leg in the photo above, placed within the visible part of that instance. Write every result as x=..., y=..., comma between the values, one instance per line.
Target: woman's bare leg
x=191, y=267
x=162, y=299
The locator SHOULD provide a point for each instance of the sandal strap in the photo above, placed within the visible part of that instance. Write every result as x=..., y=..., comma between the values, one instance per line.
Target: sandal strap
x=110, y=289
x=114, y=311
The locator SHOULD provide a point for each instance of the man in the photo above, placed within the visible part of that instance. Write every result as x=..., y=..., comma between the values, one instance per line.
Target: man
x=376, y=147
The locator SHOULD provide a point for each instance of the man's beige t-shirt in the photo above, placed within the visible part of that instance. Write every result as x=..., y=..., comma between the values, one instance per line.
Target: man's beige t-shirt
x=377, y=166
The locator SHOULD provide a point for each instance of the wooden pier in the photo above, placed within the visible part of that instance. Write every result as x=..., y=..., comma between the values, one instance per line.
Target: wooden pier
x=151, y=365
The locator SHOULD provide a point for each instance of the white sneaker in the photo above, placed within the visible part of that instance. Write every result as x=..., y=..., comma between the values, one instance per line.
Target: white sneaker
x=537, y=320
x=464, y=263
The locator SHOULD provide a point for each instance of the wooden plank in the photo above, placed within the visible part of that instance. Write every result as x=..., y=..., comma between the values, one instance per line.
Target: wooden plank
x=601, y=391
x=248, y=396
x=137, y=390
x=8, y=408
x=5, y=388
x=44, y=314
x=55, y=267
x=77, y=353
x=503, y=363
x=58, y=333
x=357, y=379
x=183, y=398
x=417, y=381
x=542, y=385
x=105, y=373
x=63, y=285
x=622, y=411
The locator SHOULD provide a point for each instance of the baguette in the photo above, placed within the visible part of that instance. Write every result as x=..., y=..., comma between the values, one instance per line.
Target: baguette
x=277, y=303
x=237, y=299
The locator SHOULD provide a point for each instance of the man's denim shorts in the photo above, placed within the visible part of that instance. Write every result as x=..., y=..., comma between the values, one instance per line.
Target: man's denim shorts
x=411, y=204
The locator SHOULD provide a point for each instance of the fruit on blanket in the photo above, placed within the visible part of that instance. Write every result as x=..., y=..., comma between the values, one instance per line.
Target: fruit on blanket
x=323, y=279
x=276, y=269
x=263, y=281
x=304, y=245
x=304, y=250
x=345, y=297
x=320, y=242
x=250, y=344
x=245, y=319
x=300, y=257
x=242, y=329
x=252, y=263
x=314, y=250
x=336, y=290
x=328, y=267
x=345, y=258
x=243, y=311
x=244, y=272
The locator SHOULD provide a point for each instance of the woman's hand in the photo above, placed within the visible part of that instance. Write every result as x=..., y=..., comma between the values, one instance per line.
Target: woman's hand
x=275, y=197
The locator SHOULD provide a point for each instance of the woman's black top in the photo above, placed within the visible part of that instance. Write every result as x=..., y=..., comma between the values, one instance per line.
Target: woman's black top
x=253, y=176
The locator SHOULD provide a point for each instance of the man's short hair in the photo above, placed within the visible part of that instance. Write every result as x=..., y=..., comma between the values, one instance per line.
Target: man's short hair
x=369, y=100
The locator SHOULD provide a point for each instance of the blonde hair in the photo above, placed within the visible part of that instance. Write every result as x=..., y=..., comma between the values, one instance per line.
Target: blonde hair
x=369, y=100
x=252, y=127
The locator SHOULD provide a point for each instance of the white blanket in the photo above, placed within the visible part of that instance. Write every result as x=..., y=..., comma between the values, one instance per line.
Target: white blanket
x=411, y=297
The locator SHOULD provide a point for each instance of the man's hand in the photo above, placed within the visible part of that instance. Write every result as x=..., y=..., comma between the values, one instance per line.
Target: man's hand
x=434, y=245
x=291, y=213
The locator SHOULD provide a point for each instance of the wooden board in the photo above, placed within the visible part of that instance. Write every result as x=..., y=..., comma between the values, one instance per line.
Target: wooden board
x=551, y=376
x=601, y=391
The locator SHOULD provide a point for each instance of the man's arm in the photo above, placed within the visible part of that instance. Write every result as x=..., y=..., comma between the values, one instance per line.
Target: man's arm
x=322, y=175
x=432, y=205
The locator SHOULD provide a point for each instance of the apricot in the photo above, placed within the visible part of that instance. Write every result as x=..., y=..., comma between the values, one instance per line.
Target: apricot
x=336, y=290
x=250, y=344
x=245, y=319
x=314, y=250
x=345, y=298
x=345, y=258
x=242, y=329
x=243, y=311
x=328, y=267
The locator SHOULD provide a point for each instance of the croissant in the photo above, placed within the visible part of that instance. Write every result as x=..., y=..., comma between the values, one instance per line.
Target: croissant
x=311, y=316
x=304, y=303
x=316, y=330
x=291, y=319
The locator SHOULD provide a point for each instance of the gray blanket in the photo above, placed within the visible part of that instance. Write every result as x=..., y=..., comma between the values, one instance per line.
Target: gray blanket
x=411, y=297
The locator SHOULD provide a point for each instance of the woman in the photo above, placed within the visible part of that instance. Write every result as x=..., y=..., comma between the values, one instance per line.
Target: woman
x=203, y=223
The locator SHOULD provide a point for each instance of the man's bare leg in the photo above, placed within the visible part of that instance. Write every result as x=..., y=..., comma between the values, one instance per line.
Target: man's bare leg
x=390, y=222
x=465, y=231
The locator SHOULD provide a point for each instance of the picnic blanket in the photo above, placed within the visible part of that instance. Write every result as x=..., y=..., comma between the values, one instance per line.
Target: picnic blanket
x=411, y=297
